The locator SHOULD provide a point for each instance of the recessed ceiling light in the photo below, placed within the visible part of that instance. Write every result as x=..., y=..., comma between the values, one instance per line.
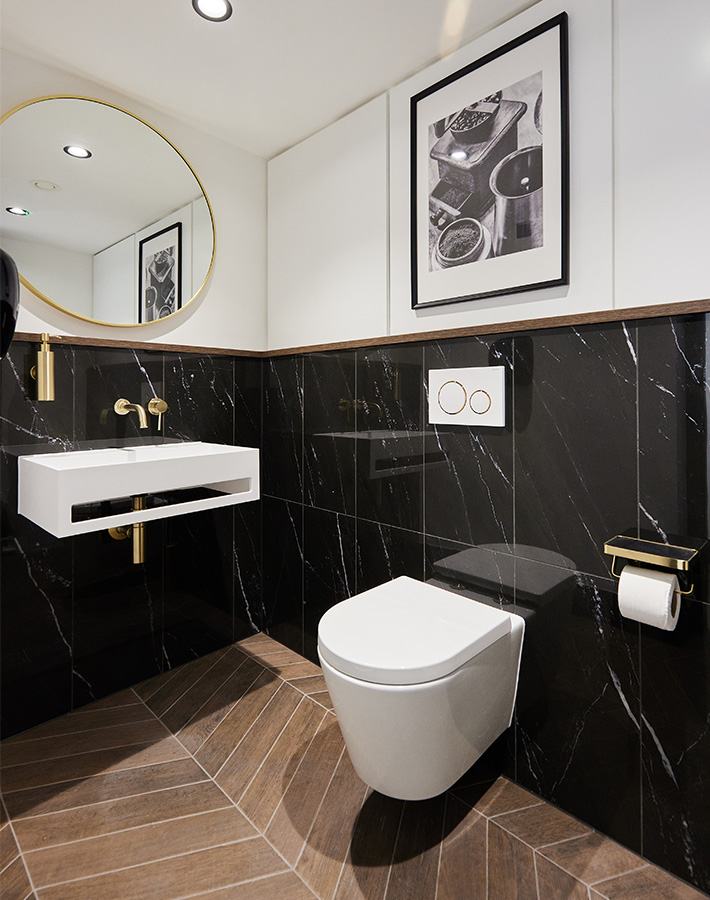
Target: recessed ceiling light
x=77, y=152
x=458, y=154
x=45, y=185
x=214, y=10
x=17, y=211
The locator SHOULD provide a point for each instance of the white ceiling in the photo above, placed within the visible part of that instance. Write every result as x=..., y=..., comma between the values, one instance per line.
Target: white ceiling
x=273, y=74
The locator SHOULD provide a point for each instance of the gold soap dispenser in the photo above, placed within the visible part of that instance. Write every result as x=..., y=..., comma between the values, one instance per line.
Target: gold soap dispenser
x=44, y=370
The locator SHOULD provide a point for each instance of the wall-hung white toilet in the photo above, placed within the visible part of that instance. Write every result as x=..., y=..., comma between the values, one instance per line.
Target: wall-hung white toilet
x=422, y=680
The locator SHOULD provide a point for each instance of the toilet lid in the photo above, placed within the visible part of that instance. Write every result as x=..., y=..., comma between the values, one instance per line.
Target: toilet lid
x=407, y=632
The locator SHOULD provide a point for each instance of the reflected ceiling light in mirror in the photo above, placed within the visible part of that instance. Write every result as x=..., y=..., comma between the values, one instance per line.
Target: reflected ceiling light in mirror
x=77, y=152
x=46, y=185
x=214, y=10
x=17, y=211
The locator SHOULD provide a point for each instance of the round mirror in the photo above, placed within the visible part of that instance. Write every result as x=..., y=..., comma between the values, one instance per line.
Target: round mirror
x=104, y=217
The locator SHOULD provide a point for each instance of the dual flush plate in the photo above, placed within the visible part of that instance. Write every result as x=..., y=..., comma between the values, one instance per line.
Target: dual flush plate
x=472, y=396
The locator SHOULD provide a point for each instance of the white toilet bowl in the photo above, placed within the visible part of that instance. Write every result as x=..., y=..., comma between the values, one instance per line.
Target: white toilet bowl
x=422, y=681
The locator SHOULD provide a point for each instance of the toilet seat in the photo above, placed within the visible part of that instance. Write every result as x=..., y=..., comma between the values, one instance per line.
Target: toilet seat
x=407, y=632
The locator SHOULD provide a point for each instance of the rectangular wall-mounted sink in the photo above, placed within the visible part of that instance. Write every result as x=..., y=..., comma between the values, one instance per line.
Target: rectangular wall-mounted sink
x=84, y=490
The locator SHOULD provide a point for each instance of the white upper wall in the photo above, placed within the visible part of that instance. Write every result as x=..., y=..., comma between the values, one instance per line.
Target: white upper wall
x=639, y=184
x=328, y=233
x=231, y=312
x=662, y=141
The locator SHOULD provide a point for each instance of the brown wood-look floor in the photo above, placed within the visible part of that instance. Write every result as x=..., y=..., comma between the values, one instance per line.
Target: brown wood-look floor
x=228, y=779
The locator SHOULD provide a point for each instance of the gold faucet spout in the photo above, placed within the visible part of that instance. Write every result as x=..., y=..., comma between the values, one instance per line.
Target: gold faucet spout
x=123, y=407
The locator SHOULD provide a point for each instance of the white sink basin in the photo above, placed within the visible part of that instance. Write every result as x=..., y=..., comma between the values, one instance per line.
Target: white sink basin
x=61, y=492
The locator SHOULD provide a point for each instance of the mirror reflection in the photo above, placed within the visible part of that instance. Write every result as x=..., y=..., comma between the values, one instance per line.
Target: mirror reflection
x=103, y=215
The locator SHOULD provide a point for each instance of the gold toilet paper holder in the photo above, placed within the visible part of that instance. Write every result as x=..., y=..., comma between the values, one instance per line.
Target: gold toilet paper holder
x=677, y=557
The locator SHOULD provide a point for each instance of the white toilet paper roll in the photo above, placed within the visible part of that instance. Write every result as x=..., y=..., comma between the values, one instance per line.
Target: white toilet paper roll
x=648, y=596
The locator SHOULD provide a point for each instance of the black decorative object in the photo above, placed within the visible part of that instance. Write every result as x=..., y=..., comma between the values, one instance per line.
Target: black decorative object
x=9, y=300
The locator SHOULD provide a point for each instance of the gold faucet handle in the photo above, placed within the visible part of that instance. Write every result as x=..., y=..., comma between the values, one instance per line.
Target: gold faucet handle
x=156, y=407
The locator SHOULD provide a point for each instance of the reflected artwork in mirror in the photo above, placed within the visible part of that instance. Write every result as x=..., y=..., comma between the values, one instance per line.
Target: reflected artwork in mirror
x=96, y=184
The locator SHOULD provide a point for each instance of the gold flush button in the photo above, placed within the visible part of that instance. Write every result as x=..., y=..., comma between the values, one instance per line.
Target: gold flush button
x=452, y=397
x=480, y=402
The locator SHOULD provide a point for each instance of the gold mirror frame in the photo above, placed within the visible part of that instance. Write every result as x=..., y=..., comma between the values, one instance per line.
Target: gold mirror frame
x=77, y=315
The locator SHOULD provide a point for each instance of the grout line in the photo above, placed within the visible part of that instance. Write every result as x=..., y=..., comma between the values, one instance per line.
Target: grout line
x=226, y=715
x=149, y=863
x=212, y=891
x=620, y=874
x=59, y=812
x=442, y=837
x=201, y=707
x=244, y=736
x=195, y=682
x=87, y=731
x=509, y=812
x=296, y=770
x=488, y=877
x=83, y=778
x=96, y=837
x=16, y=740
x=268, y=752
x=394, y=850
x=537, y=877
x=56, y=812
x=575, y=837
x=320, y=806
x=20, y=854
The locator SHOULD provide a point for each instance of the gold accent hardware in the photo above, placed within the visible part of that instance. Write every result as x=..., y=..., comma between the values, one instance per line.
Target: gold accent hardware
x=653, y=553
x=122, y=407
x=43, y=372
x=138, y=533
x=481, y=412
x=135, y=531
x=438, y=398
x=157, y=407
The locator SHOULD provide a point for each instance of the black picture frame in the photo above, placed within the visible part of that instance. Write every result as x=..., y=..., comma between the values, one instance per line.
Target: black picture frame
x=160, y=274
x=481, y=224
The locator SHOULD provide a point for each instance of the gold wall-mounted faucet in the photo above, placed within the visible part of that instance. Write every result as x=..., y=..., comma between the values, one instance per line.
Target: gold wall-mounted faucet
x=157, y=407
x=123, y=407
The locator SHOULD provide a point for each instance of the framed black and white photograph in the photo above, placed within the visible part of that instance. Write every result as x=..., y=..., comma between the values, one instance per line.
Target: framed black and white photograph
x=490, y=174
x=160, y=274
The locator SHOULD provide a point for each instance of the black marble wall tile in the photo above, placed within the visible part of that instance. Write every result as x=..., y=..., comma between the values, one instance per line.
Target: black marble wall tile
x=282, y=581
x=674, y=393
x=329, y=568
x=36, y=654
x=575, y=442
x=469, y=491
x=198, y=577
x=330, y=409
x=676, y=744
x=36, y=658
x=249, y=608
x=282, y=437
x=199, y=391
x=27, y=422
x=247, y=401
x=578, y=710
x=117, y=614
x=391, y=437
x=104, y=375
x=79, y=619
x=384, y=553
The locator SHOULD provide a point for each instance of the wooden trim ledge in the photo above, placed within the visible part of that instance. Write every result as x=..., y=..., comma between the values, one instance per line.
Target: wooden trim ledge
x=592, y=318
